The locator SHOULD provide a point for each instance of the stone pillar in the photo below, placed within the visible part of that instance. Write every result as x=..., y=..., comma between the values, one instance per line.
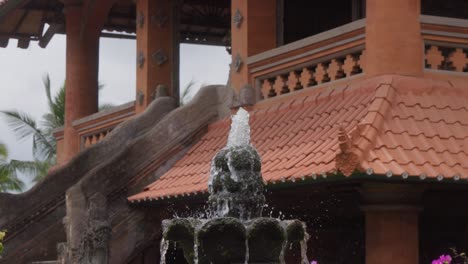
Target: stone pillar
x=253, y=30
x=392, y=223
x=394, y=43
x=82, y=63
x=157, y=51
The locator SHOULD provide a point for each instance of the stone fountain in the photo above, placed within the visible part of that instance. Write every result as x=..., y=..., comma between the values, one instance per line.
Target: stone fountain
x=236, y=232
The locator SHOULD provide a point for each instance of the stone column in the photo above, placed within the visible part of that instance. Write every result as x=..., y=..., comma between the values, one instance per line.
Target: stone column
x=253, y=30
x=392, y=223
x=157, y=51
x=82, y=63
x=394, y=43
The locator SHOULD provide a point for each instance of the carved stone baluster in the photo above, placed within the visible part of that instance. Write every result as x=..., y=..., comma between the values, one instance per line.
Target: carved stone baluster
x=278, y=85
x=350, y=65
x=285, y=88
x=458, y=60
x=267, y=89
x=434, y=58
x=335, y=70
x=87, y=142
x=308, y=77
x=294, y=80
x=361, y=61
x=321, y=74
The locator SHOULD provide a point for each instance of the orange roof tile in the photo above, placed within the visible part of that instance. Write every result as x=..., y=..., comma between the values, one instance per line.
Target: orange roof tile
x=387, y=125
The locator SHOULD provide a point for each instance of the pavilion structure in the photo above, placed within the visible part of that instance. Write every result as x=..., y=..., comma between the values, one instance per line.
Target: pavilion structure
x=359, y=110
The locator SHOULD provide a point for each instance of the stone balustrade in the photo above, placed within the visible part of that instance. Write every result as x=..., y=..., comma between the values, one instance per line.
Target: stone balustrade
x=330, y=56
x=94, y=128
x=446, y=44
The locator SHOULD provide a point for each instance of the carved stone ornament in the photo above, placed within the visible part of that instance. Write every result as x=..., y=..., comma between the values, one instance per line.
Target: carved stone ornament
x=237, y=63
x=140, y=59
x=140, y=96
x=247, y=95
x=159, y=19
x=140, y=19
x=237, y=18
x=94, y=246
x=159, y=57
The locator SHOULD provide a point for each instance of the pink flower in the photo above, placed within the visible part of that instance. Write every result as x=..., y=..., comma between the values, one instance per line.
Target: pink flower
x=313, y=262
x=444, y=259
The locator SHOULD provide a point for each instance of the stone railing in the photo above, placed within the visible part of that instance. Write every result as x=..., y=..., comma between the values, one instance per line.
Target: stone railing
x=94, y=128
x=446, y=44
x=329, y=56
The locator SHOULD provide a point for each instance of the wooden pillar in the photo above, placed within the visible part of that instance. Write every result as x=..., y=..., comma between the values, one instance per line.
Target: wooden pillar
x=157, y=50
x=253, y=30
x=392, y=223
x=394, y=43
x=82, y=63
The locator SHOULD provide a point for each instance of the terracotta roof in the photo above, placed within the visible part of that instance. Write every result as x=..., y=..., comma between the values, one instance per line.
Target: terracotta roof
x=386, y=126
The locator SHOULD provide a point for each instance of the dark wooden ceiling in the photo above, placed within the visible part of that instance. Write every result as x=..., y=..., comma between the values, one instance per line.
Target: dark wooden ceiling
x=201, y=21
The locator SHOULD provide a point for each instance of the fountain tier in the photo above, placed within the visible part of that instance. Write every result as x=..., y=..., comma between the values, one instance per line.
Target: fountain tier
x=237, y=233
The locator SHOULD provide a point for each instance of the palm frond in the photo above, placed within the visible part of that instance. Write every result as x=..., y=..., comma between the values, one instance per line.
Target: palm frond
x=186, y=94
x=3, y=151
x=24, y=126
x=9, y=180
x=37, y=169
x=21, y=123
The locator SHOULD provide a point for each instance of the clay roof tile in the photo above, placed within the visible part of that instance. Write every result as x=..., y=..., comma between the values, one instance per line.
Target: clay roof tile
x=397, y=127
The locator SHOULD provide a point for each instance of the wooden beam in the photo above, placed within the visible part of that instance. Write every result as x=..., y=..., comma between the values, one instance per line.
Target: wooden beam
x=4, y=42
x=51, y=31
x=23, y=43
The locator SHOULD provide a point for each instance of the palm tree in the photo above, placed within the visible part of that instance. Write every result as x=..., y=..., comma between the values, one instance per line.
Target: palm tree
x=9, y=180
x=186, y=95
x=44, y=143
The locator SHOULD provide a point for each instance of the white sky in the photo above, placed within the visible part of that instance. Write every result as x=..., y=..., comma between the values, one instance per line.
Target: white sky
x=21, y=72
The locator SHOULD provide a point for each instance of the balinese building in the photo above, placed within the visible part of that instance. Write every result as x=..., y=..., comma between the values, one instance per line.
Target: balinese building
x=359, y=110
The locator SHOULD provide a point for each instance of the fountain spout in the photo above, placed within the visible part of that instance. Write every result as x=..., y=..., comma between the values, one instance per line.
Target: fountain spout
x=236, y=183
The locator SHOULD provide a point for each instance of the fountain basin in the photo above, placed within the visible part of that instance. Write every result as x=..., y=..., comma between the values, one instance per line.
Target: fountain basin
x=231, y=240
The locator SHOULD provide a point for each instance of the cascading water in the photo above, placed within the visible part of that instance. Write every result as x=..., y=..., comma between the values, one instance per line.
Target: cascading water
x=236, y=231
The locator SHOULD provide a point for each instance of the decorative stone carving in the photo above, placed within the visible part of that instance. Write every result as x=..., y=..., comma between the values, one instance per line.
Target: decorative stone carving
x=94, y=246
x=140, y=19
x=62, y=253
x=237, y=18
x=160, y=19
x=458, y=60
x=346, y=161
x=434, y=57
x=246, y=95
x=140, y=96
x=141, y=59
x=237, y=63
x=159, y=57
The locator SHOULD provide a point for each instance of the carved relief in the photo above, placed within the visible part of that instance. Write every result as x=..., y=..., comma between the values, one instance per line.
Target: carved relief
x=140, y=19
x=94, y=246
x=237, y=63
x=159, y=57
x=160, y=19
x=237, y=18
x=140, y=59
